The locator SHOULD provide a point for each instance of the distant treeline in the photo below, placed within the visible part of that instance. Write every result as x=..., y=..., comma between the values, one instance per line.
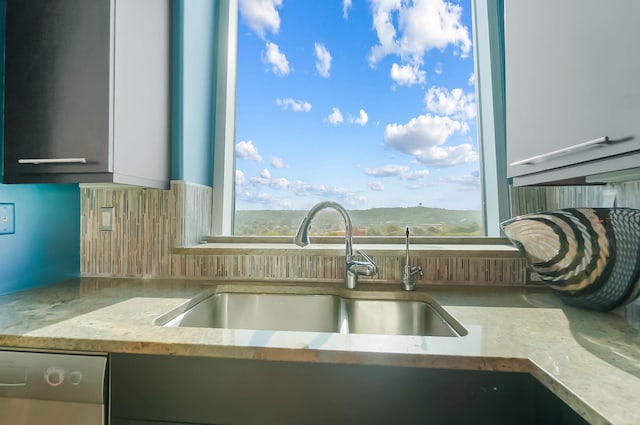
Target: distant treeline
x=423, y=221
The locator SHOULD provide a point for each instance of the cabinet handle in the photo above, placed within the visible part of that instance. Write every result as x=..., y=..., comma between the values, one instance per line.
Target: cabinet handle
x=36, y=161
x=17, y=384
x=584, y=145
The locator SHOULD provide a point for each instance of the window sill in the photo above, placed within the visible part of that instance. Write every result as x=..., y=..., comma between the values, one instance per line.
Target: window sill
x=375, y=246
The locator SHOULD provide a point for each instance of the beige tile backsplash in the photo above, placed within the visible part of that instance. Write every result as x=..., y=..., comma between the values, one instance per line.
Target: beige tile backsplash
x=148, y=223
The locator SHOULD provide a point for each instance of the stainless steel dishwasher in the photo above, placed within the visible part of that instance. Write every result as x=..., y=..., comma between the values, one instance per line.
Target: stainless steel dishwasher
x=52, y=388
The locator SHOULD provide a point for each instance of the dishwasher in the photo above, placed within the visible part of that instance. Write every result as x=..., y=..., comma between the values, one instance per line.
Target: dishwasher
x=52, y=388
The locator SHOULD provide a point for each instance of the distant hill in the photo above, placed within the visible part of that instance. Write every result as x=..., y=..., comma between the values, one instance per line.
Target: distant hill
x=423, y=221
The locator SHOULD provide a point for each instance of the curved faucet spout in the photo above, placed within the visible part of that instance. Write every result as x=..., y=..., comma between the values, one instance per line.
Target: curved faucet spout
x=353, y=268
x=302, y=236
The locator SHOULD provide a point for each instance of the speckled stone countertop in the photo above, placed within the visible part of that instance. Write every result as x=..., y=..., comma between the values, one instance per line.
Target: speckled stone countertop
x=590, y=360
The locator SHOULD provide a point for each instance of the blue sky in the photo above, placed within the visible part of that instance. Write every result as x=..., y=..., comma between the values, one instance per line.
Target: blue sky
x=366, y=102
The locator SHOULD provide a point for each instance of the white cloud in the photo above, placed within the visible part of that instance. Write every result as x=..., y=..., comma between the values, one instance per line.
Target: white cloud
x=385, y=29
x=246, y=150
x=267, y=200
x=390, y=170
x=277, y=163
x=469, y=180
x=346, y=5
x=420, y=133
x=472, y=79
x=376, y=186
x=280, y=183
x=257, y=181
x=241, y=180
x=296, y=105
x=407, y=75
x=347, y=196
x=265, y=174
x=415, y=175
x=335, y=117
x=257, y=197
x=455, y=103
x=438, y=69
x=261, y=15
x=447, y=156
x=243, y=194
x=323, y=60
x=422, y=25
x=423, y=136
x=265, y=181
x=362, y=119
x=277, y=60
x=395, y=170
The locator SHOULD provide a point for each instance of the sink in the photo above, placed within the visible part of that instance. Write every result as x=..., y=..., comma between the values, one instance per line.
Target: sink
x=311, y=313
x=388, y=317
x=343, y=312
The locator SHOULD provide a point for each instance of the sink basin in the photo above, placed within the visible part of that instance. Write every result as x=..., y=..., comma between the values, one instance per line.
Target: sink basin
x=356, y=313
x=389, y=317
x=312, y=313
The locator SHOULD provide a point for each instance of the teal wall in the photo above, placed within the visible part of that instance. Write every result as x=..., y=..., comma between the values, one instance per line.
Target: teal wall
x=45, y=247
x=194, y=91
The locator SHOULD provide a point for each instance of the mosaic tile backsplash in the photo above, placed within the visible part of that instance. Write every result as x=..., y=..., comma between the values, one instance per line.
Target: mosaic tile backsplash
x=148, y=223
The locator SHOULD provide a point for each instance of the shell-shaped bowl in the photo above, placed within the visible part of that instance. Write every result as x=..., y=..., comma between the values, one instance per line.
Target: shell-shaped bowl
x=590, y=257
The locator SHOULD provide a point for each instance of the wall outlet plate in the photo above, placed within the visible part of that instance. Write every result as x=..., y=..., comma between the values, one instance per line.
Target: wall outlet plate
x=7, y=219
x=106, y=219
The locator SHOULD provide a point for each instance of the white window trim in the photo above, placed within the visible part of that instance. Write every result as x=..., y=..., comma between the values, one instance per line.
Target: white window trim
x=490, y=98
x=224, y=163
x=490, y=124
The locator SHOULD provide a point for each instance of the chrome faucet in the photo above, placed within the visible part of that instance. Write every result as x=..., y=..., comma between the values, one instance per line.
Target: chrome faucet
x=354, y=268
x=410, y=273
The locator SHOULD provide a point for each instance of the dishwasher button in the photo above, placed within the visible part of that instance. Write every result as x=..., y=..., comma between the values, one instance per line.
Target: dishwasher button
x=54, y=376
x=75, y=377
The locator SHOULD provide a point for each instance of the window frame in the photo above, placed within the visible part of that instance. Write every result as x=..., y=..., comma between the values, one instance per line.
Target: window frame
x=224, y=119
x=488, y=46
x=488, y=39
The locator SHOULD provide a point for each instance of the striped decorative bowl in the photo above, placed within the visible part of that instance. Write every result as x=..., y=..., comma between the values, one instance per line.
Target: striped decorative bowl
x=590, y=257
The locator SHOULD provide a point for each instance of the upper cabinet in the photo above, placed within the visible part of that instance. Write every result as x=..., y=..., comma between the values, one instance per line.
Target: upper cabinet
x=572, y=91
x=88, y=91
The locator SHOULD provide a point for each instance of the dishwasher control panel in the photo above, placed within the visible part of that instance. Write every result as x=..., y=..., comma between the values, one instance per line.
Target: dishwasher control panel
x=52, y=376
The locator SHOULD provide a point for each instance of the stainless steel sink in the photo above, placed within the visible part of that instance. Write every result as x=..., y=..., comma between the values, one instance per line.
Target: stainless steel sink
x=312, y=313
x=388, y=317
x=358, y=313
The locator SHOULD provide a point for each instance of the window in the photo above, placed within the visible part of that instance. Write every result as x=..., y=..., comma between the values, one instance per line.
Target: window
x=370, y=105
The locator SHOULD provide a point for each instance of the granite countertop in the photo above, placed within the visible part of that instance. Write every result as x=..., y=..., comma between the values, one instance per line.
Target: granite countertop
x=590, y=360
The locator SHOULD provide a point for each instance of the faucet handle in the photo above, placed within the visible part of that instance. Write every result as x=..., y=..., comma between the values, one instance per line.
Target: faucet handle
x=368, y=267
x=409, y=276
x=357, y=268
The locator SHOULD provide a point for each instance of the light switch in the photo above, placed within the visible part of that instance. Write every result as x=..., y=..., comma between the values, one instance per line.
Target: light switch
x=7, y=219
x=106, y=219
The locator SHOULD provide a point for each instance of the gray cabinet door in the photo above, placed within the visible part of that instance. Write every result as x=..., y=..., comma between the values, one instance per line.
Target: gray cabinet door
x=571, y=77
x=57, y=84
